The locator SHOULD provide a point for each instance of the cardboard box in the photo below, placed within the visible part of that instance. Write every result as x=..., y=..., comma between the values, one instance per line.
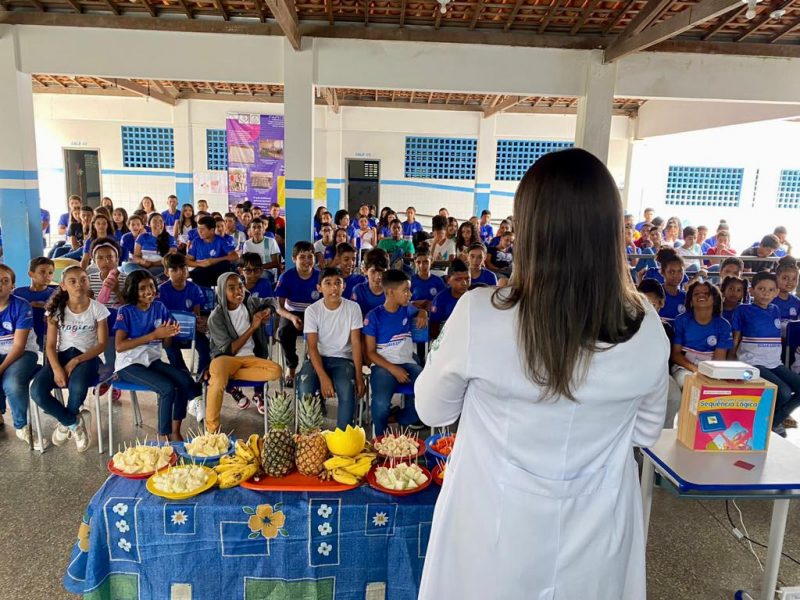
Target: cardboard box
x=726, y=416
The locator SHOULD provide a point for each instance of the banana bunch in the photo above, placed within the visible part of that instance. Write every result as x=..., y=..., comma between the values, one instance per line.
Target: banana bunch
x=243, y=464
x=348, y=470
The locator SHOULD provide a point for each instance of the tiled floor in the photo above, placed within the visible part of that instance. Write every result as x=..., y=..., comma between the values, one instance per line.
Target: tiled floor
x=691, y=555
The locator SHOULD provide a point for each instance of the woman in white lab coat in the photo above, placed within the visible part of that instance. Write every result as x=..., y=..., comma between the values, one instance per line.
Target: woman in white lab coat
x=555, y=379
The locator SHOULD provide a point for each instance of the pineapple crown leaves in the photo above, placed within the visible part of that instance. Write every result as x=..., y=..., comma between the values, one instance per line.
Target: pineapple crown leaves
x=309, y=419
x=281, y=412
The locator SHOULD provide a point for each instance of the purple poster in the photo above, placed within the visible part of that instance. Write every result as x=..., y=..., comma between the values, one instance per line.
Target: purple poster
x=255, y=158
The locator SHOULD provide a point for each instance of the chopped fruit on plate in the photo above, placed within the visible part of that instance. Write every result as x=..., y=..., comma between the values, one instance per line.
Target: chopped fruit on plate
x=444, y=445
x=402, y=477
x=398, y=446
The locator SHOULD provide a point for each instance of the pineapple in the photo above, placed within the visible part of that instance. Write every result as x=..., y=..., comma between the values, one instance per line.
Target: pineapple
x=278, y=455
x=312, y=450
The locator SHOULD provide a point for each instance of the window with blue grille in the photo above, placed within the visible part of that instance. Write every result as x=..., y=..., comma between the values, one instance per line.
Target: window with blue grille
x=704, y=186
x=514, y=157
x=789, y=189
x=217, y=149
x=441, y=158
x=148, y=147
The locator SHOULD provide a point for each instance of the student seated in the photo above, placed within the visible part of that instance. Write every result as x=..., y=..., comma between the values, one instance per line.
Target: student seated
x=672, y=272
x=251, y=270
x=239, y=346
x=389, y=349
x=369, y=294
x=442, y=249
x=458, y=282
x=127, y=242
x=764, y=249
x=757, y=341
x=733, y=266
x=478, y=275
x=398, y=248
x=501, y=256
x=143, y=327
x=179, y=294
x=734, y=292
x=700, y=333
x=102, y=226
x=485, y=230
x=40, y=270
x=296, y=291
x=208, y=254
x=151, y=247
x=266, y=247
x=424, y=285
x=77, y=334
x=18, y=354
x=786, y=301
x=332, y=327
x=346, y=262
x=324, y=248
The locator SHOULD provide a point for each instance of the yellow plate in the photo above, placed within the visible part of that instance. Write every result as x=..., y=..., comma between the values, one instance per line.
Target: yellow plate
x=212, y=481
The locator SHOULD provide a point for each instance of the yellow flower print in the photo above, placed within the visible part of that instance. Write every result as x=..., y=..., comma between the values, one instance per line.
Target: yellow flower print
x=83, y=537
x=267, y=521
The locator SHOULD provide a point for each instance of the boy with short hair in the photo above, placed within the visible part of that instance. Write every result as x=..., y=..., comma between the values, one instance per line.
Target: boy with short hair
x=485, y=229
x=172, y=214
x=765, y=248
x=346, y=261
x=266, y=247
x=757, y=341
x=369, y=294
x=458, y=282
x=202, y=206
x=208, y=254
x=332, y=327
x=389, y=349
x=424, y=285
x=179, y=294
x=296, y=291
x=411, y=225
x=40, y=270
x=324, y=248
x=396, y=246
x=251, y=269
x=233, y=228
x=476, y=256
x=733, y=266
x=690, y=247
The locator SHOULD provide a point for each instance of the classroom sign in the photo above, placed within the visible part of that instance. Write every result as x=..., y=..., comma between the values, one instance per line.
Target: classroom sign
x=255, y=158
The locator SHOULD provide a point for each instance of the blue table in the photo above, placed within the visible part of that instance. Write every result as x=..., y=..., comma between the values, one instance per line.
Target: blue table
x=773, y=475
x=241, y=544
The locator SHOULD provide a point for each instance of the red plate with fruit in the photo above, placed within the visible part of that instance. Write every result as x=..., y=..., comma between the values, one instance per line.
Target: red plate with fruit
x=295, y=482
x=438, y=473
x=375, y=474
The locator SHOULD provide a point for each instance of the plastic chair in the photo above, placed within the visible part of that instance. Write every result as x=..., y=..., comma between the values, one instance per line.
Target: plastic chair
x=124, y=386
x=792, y=341
x=188, y=324
x=210, y=299
x=239, y=383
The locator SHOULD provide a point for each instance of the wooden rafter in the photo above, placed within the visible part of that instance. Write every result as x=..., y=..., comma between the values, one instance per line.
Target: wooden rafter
x=437, y=20
x=221, y=10
x=643, y=18
x=513, y=15
x=286, y=15
x=149, y=8
x=505, y=104
x=447, y=98
x=762, y=18
x=137, y=88
x=187, y=11
x=725, y=21
x=550, y=12
x=329, y=11
x=618, y=17
x=112, y=6
x=476, y=14
x=261, y=10
x=585, y=14
x=365, y=8
x=411, y=100
x=249, y=89
x=786, y=30
x=332, y=99
x=402, y=12
x=703, y=11
x=38, y=5
x=75, y=6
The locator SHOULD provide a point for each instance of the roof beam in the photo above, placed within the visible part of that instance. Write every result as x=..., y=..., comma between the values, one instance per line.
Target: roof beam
x=221, y=9
x=331, y=99
x=75, y=6
x=505, y=104
x=402, y=13
x=585, y=14
x=651, y=11
x=132, y=86
x=148, y=6
x=692, y=16
x=38, y=5
x=763, y=18
x=365, y=4
x=112, y=6
x=476, y=14
x=286, y=15
x=725, y=21
x=788, y=29
x=550, y=12
x=328, y=10
x=186, y=9
x=513, y=15
x=618, y=17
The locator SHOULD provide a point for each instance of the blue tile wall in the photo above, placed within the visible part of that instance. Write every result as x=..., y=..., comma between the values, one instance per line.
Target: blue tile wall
x=789, y=189
x=148, y=147
x=514, y=157
x=704, y=186
x=441, y=158
x=217, y=149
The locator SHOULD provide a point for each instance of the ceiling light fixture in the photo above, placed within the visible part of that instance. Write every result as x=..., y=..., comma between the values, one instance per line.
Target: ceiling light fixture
x=443, y=5
x=751, y=8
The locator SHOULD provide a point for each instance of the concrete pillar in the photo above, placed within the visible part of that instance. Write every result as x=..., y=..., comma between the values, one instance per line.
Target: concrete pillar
x=334, y=162
x=19, y=185
x=298, y=101
x=184, y=152
x=595, y=108
x=485, y=167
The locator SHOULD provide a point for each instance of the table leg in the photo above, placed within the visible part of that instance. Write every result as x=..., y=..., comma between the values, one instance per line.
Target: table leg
x=780, y=509
x=648, y=476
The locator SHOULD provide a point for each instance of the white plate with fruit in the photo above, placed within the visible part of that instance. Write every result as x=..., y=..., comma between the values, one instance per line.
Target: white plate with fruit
x=207, y=449
x=402, y=479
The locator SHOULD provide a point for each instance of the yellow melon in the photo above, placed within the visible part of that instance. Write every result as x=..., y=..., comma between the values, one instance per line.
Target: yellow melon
x=346, y=443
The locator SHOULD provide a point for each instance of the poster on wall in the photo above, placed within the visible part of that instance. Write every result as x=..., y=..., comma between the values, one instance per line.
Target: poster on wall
x=255, y=158
x=210, y=182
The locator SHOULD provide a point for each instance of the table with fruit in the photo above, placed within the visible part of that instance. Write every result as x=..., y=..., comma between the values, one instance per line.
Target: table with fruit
x=311, y=513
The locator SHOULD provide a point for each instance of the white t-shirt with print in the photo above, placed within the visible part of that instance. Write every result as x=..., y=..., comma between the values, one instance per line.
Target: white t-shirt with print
x=333, y=327
x=79, y=330
x=241, y=323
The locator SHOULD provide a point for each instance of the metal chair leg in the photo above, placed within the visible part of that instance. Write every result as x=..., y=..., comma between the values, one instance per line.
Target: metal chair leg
x=137, y=415
x=97, y=418
x=110, y=421
x=264, y=395
x=34, y=410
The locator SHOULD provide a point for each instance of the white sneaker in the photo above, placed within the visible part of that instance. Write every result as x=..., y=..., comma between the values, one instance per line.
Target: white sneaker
x=83, y=432
x=60, y=435
x=24, y=435
x=197, y=408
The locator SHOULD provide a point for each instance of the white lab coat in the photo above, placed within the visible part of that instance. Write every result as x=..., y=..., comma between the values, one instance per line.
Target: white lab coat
x=540, y=500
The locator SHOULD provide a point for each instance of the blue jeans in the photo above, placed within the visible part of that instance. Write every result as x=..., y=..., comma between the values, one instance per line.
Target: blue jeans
x=174, y=388
x=74, y=254
x=202, y=345
x=788, y=397
x=342, y=372
x=14, y=386
x=383, y=385
x=80, y=380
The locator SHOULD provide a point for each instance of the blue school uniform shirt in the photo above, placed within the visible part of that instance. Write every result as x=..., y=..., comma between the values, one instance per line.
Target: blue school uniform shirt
x=350, y=282
x=426, y=289
x=17, y=315
x=385, y=232
x=485, y=278
x=486, y=232
x=127, y=244
x=216, y=248
x=136, y=323
x=149, y=243
x=392, y=333
x=443, y=305
x=170, y=219
x=39, y=322
x=262, y=289
x=790, y=308
x=728, y=314
x=761, y=334
x=181, y=300
x=697, y=341
x=299, y=293
x=365, y=299
x=409, y=229
x=673, y=305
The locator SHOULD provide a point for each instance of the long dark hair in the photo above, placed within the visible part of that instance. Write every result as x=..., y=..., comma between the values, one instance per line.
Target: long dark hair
x=460, y=243
x=130, y=293
x=162, y=239
x=57, y=303
x=109, y=226
x=573, y=292
x=192, y=219
x=713, y=290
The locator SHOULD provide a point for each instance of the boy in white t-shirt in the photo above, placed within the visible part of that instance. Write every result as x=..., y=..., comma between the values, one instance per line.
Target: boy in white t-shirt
x=266, y=247
x=332, y=327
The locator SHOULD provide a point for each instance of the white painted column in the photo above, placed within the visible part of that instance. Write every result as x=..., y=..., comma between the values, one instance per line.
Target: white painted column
x=334, y=162
x=298, y=101
x=486, y=163
x=19, y=184
x=595, y=107
x=184, y=152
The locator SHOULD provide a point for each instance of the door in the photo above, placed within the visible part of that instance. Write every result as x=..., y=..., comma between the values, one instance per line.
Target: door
x=82, y=171
x=363, y=183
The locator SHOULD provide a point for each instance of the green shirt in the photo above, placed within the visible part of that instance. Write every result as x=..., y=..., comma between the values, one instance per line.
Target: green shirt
x=392, y=246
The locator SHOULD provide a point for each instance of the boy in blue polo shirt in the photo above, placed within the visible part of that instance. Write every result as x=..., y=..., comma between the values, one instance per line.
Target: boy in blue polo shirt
x=181, y=295
x=445, y=301
x=424, y=285
x=389, y=348
x=40, y=270
x=369, y=294
x=208, y=254
x=757, y=341
x=296, y=291
x=485, y=229
x=672, y=270
x=346, y=261
x=251, y=268
x=478, y=274
x=411, y=225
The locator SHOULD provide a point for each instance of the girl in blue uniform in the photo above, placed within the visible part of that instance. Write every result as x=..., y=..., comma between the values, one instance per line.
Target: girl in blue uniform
x=734, y=292
x=786, y=301
x=672, y=271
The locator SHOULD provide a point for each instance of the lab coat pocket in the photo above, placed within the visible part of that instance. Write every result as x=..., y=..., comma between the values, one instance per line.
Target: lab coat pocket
x=523, y=480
